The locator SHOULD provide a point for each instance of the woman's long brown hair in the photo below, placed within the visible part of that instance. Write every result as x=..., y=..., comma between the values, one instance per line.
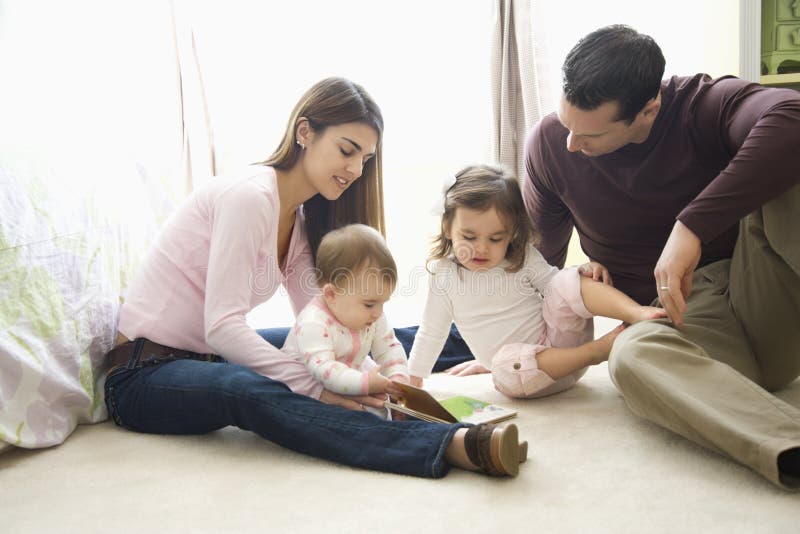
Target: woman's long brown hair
x=330, y=102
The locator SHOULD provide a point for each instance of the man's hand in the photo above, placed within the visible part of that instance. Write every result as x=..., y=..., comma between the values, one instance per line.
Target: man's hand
x=674, y=270
x=467, y=368
x=596, y=272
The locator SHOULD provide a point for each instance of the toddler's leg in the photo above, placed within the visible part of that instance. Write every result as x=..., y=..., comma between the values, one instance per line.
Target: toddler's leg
x=569, y=323
x=516, y=373
x=515, y=370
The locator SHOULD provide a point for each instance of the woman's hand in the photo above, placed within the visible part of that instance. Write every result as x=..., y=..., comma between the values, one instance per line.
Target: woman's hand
x=467, y=368
x=596, y=272
x=355, y=402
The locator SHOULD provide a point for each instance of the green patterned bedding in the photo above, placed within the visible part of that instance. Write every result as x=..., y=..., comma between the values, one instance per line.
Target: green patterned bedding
x=67, y=251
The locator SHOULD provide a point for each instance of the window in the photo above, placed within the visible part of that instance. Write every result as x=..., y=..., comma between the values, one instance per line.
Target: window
x=425, y=63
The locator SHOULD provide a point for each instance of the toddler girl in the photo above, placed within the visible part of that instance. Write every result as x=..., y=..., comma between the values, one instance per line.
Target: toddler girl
x=523, y=319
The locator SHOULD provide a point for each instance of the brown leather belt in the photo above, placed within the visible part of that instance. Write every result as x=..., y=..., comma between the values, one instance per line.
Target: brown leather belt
x=133, y=353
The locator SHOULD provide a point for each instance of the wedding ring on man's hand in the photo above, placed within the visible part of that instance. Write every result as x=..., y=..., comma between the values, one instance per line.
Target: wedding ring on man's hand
x=664, y=288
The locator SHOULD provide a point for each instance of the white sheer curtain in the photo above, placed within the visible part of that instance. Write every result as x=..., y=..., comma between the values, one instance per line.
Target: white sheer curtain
x=89, y=96
x=198, y=153
x=515, y=84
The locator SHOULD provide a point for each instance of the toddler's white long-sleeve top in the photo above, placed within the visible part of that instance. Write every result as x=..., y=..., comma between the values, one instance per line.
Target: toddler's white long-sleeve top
x=491, y=309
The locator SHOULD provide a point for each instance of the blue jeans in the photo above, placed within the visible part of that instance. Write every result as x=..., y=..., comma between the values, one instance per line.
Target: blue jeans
x=194, y=397
x=455, y=349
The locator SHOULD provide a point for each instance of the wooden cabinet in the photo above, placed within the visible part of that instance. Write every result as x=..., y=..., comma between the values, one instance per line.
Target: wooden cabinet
x=780, y=36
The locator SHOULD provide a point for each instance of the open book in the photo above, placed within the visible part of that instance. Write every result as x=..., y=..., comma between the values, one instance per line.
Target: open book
x=419, y=403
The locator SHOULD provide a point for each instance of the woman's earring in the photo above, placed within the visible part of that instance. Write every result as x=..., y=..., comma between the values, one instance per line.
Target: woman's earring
x=301, y=145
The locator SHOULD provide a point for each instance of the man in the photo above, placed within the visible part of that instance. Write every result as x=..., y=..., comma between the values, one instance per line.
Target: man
x=687, y=191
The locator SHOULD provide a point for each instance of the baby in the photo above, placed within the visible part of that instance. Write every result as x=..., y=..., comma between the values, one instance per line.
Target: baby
x=336, y=331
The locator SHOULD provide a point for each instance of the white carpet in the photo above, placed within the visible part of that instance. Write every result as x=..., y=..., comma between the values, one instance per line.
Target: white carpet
x=593, y=467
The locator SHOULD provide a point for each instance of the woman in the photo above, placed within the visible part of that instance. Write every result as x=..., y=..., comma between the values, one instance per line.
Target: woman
x=186, y=361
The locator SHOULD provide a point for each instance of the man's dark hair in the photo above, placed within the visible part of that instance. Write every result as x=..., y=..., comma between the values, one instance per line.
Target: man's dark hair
x=614, y=63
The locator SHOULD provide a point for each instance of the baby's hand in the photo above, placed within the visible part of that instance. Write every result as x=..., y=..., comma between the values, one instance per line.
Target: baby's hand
x=378, y=383
x=393, y=389
x=415, y=381
x=645, y=313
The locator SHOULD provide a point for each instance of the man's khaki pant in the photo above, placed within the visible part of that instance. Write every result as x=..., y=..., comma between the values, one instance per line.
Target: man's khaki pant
x=709, y=381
